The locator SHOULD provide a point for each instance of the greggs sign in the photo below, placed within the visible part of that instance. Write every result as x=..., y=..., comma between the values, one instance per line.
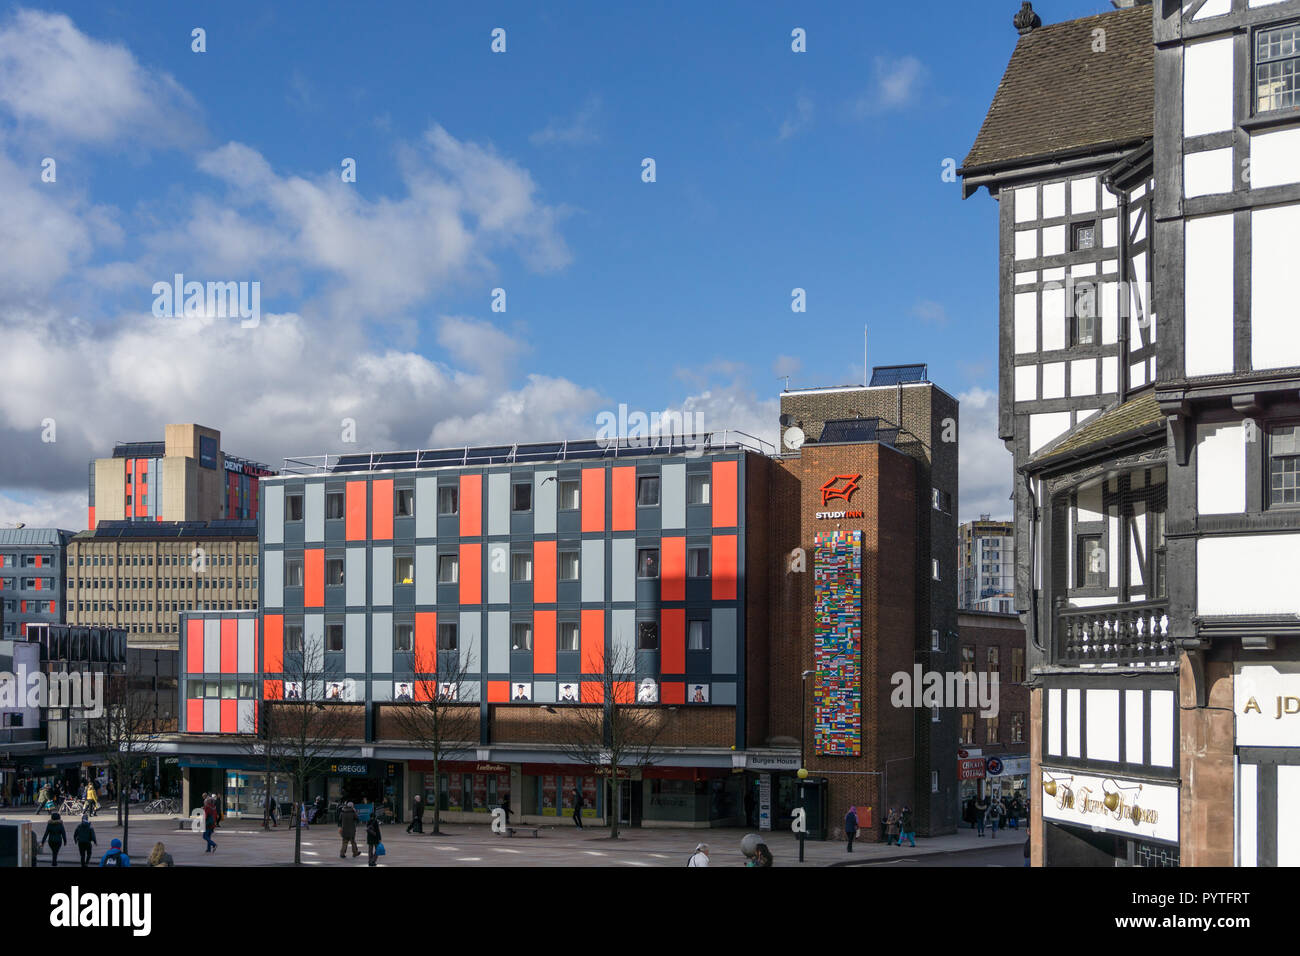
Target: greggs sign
x=841, y=487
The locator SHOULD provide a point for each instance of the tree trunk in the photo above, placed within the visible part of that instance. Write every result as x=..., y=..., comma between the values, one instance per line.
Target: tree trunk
x=126, y=826
x=266, y=807
x=437, y=796
x=298, y=788
x=618, y=801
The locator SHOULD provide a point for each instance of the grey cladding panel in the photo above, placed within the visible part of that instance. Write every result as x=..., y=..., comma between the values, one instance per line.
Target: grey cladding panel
x=592, y=571
x=273, y=514
x=672, y=492
x=314, y=511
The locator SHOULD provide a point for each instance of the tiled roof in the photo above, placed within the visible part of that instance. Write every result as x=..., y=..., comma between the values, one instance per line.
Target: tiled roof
x=1057, y=95
x=1135, y=417
x=33, y=537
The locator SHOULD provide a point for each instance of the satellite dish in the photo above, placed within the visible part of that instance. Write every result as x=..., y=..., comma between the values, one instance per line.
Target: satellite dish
x=794, y=438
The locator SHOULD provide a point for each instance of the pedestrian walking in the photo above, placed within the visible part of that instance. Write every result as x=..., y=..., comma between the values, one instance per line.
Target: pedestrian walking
x=92, y=799
x=55, y=836
x=891, y=826
x=905, y=827
x=981, y=814
x=701, y=855
x=271, y=807
x=991, y=819
x=373, y=838
x=160, y=857
x=1026, y=851
x=209, y=824
x=115, y=856
x=851, y=825
x=505, y=805
x=321, y=807
x=348, y=829
x=417, y=815
x=578, y=804
x=84, y=837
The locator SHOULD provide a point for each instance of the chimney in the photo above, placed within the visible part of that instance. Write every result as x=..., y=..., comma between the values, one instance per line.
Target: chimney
x=1026, y=21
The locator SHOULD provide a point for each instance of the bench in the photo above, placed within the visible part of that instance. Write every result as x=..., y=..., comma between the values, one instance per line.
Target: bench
x=535, y=831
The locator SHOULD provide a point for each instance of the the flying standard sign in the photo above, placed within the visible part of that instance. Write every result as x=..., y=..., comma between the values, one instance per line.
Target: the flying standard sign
x=840, y=487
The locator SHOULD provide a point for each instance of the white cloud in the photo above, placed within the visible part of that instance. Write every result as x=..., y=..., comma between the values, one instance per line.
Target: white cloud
x=930, y=312
x=985, y=466
x=68, y=87
x=799, y=120
x=576, y=131
x=65, y=510
x=896, y=82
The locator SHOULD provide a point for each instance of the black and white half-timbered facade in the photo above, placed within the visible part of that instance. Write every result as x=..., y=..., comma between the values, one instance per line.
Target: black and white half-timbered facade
x=1146, y=164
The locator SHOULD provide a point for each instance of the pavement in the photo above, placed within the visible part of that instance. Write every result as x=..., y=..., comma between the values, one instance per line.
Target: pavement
x=245, y=844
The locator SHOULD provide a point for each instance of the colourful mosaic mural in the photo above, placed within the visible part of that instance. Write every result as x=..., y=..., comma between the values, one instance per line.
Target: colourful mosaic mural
x=837, y=644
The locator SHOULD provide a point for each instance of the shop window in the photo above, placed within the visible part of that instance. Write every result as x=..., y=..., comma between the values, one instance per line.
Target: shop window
x=403, y=638
x=647, y=563
x=403, y=502
x=448, y=568
x=568, y=638
x=448, y=500
x=404, y=569
x=570, y=494
x=647, y=491
x=698, y=489
x=293, y=507
x=568, y=565
x=334, y=572
x=697, y=562
x=334, y=505
x=521, y=566
x=647, y=636
x=523, y=497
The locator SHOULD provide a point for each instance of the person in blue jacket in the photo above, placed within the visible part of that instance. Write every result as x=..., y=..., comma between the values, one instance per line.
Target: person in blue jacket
x=115, y=856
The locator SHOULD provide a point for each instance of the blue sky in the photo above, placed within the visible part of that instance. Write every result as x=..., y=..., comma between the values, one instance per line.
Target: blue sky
x=477, y=170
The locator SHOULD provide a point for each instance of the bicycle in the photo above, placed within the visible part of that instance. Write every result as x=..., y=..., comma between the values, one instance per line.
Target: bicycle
x=162, y=805
x=71, y=808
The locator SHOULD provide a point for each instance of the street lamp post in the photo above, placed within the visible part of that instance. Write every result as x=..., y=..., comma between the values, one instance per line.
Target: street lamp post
x=803, y=769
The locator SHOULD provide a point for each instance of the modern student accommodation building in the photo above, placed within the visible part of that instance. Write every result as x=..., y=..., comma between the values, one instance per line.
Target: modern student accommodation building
x=1156, y=521
x=713, y=576
x=32, y=584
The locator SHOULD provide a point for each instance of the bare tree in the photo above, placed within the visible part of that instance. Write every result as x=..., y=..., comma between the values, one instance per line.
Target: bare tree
x=301, y=733
x=125, y=733
x=440, y=720
x=620, y=733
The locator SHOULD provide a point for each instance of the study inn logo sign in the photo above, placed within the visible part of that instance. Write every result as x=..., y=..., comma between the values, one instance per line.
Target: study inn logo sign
x=841, y=487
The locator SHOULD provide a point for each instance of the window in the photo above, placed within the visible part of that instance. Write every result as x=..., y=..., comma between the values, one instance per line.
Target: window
x=994, y=660
x=293, y=507
x=293, y=637
x=647, y=636
x=448, y=500
x=293, y=572
x=523, y=497
x=1277, y=68
x=697, y=562
x=521, y=636
x=404, y=569
x=1091, y=564
x=647, y=491
x=569, y=494
x=333, y=637
x=1017, y=665
x=448, y=568
x=447, y=637
x=1283, y=465
x=521, y=566
x=697, y=636
x=940, y=501
x=934, y=640
x=1083, y=235
x=991, y=730
x=333, y=572
x=647, y=563
x=1017, y=728
x=934, y=568
x=568, y=565
x=968, y=728
x=403, y=502
x=1083, y=324
x=697, y=489
x=568, y=636
x=968, y=658
x=333, y=505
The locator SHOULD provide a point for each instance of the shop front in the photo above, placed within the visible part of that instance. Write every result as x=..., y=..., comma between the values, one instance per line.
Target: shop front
x=1266, y=705
x=1108, y=821
x=770, y=791
x=552, y=791
x=692, y=797
x=465, y=790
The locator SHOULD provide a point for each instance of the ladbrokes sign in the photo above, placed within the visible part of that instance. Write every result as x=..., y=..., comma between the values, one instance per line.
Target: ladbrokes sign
x=841, y=487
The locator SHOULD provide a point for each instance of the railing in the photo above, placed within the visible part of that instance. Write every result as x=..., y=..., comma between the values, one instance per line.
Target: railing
x=1114, y=634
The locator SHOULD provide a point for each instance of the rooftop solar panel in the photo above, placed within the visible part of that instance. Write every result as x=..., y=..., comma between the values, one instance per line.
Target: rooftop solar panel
x=898, y=374
x=858, y=430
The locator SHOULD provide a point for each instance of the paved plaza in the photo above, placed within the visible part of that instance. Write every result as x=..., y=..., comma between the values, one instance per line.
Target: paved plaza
x=244, y=843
